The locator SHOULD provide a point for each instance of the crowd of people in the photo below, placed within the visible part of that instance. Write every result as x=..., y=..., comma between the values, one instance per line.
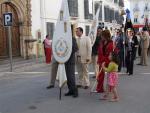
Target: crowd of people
x=110, y=52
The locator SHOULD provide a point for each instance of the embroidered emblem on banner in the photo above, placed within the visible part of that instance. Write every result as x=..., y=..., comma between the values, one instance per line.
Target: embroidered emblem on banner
x=61, y=48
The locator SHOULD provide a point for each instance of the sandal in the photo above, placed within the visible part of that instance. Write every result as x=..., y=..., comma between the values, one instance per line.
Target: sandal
x=105, y=97
x=114, y=100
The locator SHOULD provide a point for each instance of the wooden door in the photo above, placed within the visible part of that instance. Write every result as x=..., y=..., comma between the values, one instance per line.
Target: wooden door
x=4, y=49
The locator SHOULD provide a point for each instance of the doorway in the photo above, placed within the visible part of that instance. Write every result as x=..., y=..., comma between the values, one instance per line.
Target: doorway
x=4, y=48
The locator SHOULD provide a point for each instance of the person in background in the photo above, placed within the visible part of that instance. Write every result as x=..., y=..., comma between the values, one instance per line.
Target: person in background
x=131, y=43
x=119, y=48
x=139, y=40
x=144, y=46
x=136, y=47
x=83, y=58
x=104, y=50
x=95, y=50
x=53, y=73
x=47, y=49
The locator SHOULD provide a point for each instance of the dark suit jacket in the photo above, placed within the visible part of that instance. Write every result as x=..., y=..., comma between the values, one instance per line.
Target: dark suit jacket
x=74, y=49
x=133, y=44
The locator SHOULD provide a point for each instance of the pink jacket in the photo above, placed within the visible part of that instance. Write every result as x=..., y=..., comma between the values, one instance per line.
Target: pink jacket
x=47, y=43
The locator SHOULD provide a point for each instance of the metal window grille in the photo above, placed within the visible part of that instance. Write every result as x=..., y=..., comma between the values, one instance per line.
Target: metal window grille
x=121, y=3
x=107, y=13
x=86, y=10
x=50, y=28
x=115, y=1
x=87, y=30
x=100, y=13
x=73, y=7
x=117, y=16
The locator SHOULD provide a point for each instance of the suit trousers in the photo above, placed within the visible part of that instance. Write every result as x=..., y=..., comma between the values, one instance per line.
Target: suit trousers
x=82, y=69
x=130, y=62
x=70, y=72
x=54, y=68
x=144, y=56
x=121, y=60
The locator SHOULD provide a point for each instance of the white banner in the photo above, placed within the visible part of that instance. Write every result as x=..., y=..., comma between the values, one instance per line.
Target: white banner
x=62, y=41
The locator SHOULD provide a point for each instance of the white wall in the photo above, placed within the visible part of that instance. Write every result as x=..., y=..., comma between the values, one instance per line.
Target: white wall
x=36, y=22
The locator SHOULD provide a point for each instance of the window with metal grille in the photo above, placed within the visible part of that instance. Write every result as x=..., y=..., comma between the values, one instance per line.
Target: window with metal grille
x=86, y=10
x=73, y=7
x=121, y=3
x=107, y=13
x=115, y=1
x=50, y=29
x=100, y=13
x=117, y=16
x=121, y=19
x=87, y=30
x=111, y=15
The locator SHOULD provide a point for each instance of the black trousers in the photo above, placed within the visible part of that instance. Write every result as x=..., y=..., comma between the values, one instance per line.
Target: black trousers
x=70, y=72
x=139, y=51
x=121, y=60
x=129, y=62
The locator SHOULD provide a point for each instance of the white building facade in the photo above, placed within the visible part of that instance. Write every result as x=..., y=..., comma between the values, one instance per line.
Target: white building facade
x=45, y=12
x=34, y=19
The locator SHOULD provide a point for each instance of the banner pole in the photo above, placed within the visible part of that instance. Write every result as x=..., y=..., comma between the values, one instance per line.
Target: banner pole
x=60, y=94
x=10, y=47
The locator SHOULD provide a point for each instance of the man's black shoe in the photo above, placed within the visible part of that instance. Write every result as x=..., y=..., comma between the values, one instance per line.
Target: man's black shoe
x=93, y=76
x=49, y=87
x=75, y=93
x=79, y=86
x=69, y=94
x=130, y=74
x=139, y=64
x=86, y=87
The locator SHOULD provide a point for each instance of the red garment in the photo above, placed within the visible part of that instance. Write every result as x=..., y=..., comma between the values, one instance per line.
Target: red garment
x=48, y=53
x=47, y=50
x=103, y=56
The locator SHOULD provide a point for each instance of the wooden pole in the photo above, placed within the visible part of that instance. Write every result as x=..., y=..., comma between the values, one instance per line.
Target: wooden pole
x=60, y=94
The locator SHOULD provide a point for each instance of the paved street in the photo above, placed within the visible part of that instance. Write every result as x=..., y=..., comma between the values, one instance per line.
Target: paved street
x=25, y=91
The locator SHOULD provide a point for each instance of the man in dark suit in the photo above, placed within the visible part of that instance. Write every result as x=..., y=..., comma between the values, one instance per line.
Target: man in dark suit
x=131, y=44
x=70, y=71
x=119, y=47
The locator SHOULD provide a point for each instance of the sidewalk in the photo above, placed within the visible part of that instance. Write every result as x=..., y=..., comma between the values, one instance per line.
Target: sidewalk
x=22, y=65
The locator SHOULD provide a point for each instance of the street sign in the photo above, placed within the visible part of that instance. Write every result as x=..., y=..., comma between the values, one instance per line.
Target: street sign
x=7, y=19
